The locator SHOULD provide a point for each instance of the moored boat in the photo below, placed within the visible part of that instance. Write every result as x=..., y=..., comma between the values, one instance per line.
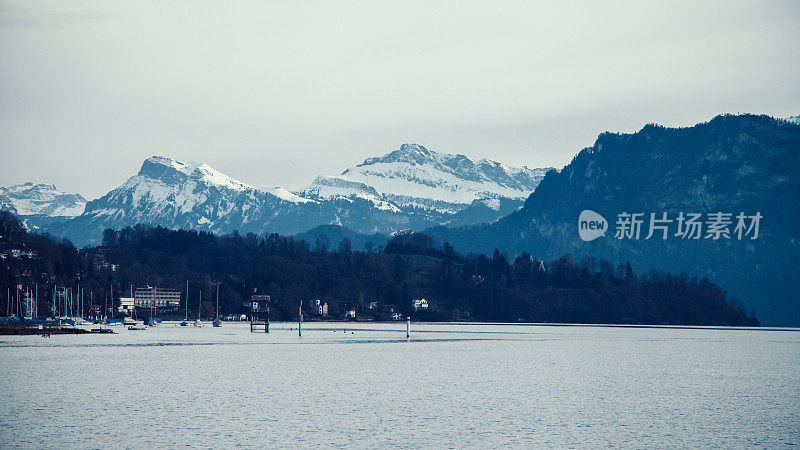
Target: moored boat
x=217, y=321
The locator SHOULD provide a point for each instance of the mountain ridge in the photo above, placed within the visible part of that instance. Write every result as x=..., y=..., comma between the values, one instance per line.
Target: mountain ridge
x=730, y=164
x=30, y=199
x=194, y=195
x=414, y=176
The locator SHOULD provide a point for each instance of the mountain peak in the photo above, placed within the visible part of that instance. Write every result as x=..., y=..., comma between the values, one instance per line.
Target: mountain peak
x=415, y=149
x=408, y=153
x=40, y=199
x=160, y=163
x=172, y=171
x=414, y=176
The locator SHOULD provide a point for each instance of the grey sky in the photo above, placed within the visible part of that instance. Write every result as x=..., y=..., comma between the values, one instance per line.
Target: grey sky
x=274, y=93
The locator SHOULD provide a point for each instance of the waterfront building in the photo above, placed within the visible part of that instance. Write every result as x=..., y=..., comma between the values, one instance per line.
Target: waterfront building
x=126, y=304
x=151, y=297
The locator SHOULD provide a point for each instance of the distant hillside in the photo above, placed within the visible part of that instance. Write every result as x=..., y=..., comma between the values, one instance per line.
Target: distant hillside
x=731, y=164
x=331, y=236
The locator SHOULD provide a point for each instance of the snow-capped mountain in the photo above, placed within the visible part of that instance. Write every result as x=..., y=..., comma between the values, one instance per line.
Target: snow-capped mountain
x=185, y=195
x=414, y=177
x=195, y=196
x=411, y=188
x=30, y=199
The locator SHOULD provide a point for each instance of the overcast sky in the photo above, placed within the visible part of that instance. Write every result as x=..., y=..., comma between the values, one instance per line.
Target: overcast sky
x=275, y=93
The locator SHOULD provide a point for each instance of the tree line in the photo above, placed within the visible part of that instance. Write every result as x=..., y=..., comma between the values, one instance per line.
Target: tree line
x=410, y=266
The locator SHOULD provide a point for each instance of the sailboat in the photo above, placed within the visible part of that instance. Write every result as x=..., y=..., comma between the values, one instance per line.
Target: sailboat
x=185, y=322
x=110, y=320
x=198, y=322
x=217, y=321
x=153, y=321
x=129, y=321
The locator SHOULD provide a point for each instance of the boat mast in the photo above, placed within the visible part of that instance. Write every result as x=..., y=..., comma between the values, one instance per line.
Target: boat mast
x=134, y=302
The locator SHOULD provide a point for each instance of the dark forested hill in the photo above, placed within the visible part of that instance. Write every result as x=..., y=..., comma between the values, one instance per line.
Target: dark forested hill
x=374, y=284
x=733, y=164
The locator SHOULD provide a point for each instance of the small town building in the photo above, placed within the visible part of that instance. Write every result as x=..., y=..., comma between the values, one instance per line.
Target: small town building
x=420, y=304
x=126, y=304
x=151, y=297
x=316, y=306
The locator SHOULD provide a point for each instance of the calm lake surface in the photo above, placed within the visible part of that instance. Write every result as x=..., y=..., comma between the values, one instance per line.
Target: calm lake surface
x=450, y=385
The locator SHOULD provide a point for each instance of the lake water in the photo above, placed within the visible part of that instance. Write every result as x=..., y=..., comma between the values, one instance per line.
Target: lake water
x=450, y=385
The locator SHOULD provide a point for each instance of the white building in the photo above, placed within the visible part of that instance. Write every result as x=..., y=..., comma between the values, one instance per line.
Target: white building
x=420, y=303
x=150, y=297
x=126, y=304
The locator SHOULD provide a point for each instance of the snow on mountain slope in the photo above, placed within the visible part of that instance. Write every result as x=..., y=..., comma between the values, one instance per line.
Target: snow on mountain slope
x=286, y=195
x=333, y=187
x=195, y=196
x=793, y=119
x=184, y=194
x=415, y=177
x=40, y=199
x=411, y=188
